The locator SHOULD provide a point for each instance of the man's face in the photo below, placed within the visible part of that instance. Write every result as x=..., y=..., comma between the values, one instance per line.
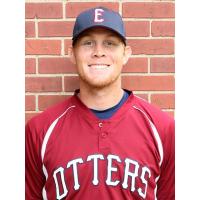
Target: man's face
x=99, y=55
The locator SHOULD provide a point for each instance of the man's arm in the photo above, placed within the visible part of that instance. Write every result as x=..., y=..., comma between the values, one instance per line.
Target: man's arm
x=34, y=178
x=166, y=182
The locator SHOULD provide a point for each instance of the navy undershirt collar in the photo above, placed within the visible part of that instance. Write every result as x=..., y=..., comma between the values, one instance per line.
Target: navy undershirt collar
x=105, y=114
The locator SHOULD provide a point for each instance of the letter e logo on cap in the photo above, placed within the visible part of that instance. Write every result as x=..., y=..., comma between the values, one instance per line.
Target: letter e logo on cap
x=98, y=15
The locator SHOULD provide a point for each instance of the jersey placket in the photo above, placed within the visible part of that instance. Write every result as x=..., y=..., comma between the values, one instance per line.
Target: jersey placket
x=104, y=142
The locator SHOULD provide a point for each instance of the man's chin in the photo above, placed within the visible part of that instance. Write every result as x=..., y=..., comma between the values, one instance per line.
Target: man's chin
x=98, y=84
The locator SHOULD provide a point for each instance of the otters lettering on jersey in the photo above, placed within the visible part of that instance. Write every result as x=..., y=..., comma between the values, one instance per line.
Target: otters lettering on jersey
x=131, y=171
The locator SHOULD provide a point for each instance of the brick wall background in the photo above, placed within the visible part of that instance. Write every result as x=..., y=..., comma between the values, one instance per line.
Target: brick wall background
x=50, y=77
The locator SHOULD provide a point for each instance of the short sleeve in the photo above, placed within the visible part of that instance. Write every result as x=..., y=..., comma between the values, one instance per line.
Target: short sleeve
x=166, y=182
x=34, y=178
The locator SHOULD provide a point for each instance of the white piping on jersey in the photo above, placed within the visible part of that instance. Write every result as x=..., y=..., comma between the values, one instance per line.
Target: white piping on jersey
x=45, y=171
x=44, y=194
x=44, y=144
x=49, y=131
x=156, y=135
x=160, y=146
x=155, y=190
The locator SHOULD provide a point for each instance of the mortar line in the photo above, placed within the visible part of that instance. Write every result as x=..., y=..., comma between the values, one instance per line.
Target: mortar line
x=72, y=19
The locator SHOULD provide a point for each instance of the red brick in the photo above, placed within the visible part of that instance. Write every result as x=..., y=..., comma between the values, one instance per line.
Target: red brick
x=71, y=83
x=163, y=100
x=148, y=10
x=143, y=96
x=136, y=65
x=55, y=29
x=137, y=28
x=55, y=65
x=152, y=46
x=45, y=101
x=68, y=43
x=28, y=116
x=30, y=103
x=43, y=10
x=74, y=8
x=162, y=28
x=30, y=66
x=162, y=64
x=41, y=47
x=148, y=83
x=29, y=29
x=43, y=84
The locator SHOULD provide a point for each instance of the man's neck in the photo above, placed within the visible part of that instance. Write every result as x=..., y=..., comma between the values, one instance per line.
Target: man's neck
x=101, y=99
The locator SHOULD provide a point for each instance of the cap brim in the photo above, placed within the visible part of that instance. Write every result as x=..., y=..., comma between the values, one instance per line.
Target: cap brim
x=74, y=39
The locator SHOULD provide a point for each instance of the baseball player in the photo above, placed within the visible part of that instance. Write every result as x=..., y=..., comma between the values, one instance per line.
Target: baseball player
x=103, y=143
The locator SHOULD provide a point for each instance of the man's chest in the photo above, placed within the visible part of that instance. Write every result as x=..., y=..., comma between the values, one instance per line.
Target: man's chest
x=117, y=156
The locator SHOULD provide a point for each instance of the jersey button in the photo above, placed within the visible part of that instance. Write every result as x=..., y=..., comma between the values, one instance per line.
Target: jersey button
x=100, y=124
x=104, y=135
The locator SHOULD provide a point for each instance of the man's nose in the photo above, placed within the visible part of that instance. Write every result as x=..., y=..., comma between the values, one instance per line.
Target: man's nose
x=99, y=51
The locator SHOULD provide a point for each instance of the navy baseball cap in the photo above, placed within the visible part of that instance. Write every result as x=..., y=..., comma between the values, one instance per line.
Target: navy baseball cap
x=99, y=17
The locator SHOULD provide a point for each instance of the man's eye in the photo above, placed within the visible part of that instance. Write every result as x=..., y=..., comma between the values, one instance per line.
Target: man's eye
x=87, y=43
x=110, y=43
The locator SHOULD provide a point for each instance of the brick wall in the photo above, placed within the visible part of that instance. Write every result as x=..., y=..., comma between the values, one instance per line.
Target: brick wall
x=50, y=77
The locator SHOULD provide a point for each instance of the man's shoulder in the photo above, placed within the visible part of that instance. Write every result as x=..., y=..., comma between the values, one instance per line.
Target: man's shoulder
x=154, y=113
x=163, y=122
x=47, y=117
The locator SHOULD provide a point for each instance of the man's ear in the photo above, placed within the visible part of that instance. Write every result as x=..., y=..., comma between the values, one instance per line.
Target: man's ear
x=71, y=55
x=127, y=54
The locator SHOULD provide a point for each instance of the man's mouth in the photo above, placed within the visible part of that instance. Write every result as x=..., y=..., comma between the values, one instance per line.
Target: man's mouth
x=99, y=66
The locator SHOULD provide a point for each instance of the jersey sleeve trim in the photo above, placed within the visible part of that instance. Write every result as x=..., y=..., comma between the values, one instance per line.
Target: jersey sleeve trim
x=156, y=135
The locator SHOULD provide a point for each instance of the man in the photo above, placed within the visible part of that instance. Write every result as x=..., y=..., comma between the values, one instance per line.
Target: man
x=103, y=143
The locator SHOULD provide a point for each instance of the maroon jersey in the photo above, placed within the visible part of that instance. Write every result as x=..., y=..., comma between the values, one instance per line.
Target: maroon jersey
x=71, y=154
